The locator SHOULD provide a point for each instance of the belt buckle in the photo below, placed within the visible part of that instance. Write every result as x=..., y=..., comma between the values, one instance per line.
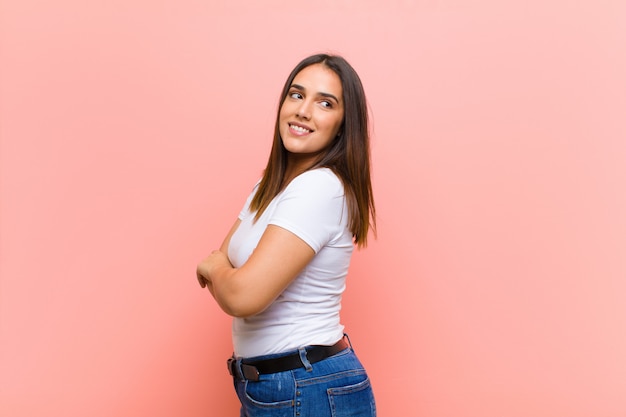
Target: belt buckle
x=244, y=371
x=251, y=373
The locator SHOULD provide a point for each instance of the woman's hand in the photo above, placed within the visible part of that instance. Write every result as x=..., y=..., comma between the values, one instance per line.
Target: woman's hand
x=209, y=265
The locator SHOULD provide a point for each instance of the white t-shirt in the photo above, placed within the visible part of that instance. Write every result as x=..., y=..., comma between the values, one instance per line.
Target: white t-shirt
x=312, y=207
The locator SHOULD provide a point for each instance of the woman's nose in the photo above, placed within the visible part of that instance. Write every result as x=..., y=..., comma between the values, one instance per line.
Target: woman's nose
x=304, y=110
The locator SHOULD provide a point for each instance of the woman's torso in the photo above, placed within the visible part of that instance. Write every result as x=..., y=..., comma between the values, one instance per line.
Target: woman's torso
x=312, y=207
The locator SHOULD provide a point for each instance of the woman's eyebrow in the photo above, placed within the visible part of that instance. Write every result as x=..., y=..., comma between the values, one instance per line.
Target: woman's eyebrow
x=327, y=95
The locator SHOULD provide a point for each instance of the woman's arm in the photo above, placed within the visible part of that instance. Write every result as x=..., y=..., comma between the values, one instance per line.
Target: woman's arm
x=205, y=282
x=242, y=292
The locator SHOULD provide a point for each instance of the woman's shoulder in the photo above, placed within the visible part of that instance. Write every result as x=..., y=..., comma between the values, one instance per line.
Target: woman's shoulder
x=319, y=174
x=323, y=178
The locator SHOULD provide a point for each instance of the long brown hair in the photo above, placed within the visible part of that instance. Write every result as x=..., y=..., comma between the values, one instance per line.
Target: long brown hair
x=348, y=156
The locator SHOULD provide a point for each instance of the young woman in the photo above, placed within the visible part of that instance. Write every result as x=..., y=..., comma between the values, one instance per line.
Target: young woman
x=281, y=270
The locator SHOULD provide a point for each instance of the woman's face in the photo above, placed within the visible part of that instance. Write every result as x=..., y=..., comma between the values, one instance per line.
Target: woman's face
x=312, y=113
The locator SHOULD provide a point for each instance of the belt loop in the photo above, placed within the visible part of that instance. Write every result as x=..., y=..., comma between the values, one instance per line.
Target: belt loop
x=238, y=370
x=304, y=359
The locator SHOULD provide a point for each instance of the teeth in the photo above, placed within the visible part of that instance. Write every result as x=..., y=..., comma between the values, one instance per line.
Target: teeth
x=299, y=129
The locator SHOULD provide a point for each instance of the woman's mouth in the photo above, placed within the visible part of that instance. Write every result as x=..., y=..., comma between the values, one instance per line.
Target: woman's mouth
x=299, y=129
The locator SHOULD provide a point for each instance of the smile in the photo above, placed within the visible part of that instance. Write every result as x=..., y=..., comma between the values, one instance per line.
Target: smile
x=299, y=129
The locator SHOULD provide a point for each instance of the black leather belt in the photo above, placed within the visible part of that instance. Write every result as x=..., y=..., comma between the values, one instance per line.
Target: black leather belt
x=251, y=370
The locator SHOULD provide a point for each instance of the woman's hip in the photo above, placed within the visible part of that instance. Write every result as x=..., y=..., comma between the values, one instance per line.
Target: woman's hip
x=336, y=386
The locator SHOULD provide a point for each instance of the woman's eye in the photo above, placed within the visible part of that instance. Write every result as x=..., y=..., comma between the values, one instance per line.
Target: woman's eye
x=295, y=95
x=326, y=104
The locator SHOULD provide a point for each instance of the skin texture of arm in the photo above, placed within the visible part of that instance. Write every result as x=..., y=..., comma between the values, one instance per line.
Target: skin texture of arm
x=250, y=289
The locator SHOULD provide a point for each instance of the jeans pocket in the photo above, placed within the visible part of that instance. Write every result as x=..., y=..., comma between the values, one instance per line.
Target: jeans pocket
x=355, y=400
x=272, y=391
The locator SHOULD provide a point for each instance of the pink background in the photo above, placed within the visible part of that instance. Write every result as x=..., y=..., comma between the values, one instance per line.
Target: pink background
x=131, y=132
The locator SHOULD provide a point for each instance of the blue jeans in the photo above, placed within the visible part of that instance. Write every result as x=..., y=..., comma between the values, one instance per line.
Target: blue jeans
x=337, y=386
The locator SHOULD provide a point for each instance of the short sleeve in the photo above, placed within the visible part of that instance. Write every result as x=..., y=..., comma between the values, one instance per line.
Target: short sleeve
x=313, y=208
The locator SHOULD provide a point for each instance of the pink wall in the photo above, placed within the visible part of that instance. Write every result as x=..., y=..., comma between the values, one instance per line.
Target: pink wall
x=131, y=131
